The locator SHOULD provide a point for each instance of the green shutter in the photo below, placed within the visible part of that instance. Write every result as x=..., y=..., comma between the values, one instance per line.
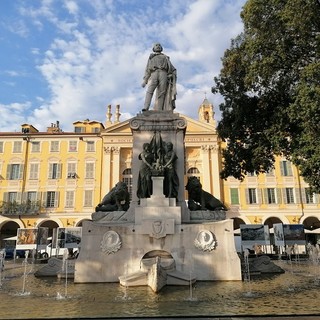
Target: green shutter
x=234, y=195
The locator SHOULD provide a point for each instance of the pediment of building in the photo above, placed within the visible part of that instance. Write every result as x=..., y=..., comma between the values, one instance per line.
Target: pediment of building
x=118, y=128
x=196, y=126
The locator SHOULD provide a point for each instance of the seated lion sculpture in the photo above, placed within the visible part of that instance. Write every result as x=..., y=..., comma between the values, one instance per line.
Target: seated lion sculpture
x=117, y=199
x=200, y=199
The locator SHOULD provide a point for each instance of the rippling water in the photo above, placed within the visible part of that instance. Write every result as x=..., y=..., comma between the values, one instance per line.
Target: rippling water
x=294, y=292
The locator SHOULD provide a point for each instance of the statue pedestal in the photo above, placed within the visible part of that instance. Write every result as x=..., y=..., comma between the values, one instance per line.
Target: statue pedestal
x=172, y=128
x=157, y=184
x=157, y=232
x=157, y=207
x=111, y=250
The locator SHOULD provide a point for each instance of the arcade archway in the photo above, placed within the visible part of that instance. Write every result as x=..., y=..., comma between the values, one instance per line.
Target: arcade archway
x=271, y=221
x=7, y=230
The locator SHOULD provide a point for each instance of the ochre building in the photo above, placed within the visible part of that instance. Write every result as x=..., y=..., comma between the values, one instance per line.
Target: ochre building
x=55, y=178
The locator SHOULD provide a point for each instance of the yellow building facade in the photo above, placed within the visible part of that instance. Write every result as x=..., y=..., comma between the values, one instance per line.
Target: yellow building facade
x=49, y=179
x=55, y=178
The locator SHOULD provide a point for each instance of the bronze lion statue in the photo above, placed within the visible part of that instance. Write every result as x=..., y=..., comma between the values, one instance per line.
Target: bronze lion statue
x=117, y=199
x=200, y=199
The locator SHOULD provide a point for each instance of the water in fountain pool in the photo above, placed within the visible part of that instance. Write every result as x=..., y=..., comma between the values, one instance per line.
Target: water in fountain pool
x=270, y=296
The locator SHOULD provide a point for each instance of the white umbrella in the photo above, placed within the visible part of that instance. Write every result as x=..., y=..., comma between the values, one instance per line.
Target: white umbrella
x=11, y=238
x=312, y=231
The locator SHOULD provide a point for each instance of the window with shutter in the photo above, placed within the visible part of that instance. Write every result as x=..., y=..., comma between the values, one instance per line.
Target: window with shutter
x=54, y=170
x=89, y=174
x=309, y=197
x=71, y=170
x=73, y=146
x=69, y=199
x=17, y=147
x=54, y=146
x=286, y=168
x=34, y=171
x=289, y=195
x=88, y=198
x=50, y=199
x=35, y=146
x=234, y=196
x=90, y=146
x=252, y=196
x=271, y=196
x=14, y=171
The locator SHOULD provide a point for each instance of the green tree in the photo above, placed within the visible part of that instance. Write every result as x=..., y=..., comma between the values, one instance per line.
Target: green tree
x=270, y=81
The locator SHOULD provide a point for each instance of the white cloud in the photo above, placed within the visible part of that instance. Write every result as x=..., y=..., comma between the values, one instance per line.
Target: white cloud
x=13, y=113
x=17, y=27
x=12, y=73
x=72, y=7
x=99, y=59
x=35, y=51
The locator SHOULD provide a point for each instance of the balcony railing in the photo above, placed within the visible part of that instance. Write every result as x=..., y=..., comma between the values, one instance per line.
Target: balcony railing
x=18, y=209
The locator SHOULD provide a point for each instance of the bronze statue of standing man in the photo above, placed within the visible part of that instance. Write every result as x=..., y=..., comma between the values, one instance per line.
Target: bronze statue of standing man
x=160, y=74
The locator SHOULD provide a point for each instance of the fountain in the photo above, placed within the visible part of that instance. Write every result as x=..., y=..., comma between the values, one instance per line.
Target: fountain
x=2, y=256
x=314, y=253
x=220, y=299
x=65, y=269
x=157, y=232
x=247, y=277
x=25, y=274
x=157, y=229
x=157, y=241
x=125, y=284
x=191, y=278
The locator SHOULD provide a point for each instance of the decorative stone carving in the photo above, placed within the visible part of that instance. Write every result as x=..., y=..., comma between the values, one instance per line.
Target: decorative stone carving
x=215, y=148
x=161, y=125
x=200, y=199
x=158, y=229
x=111, y=242
x=117, y=199
x=205, y=148
x=116, y=150
x=181, y=124
x=135, y=124
x=205, y=241
x=157, y=159
x=216, y=215
x=107, y=150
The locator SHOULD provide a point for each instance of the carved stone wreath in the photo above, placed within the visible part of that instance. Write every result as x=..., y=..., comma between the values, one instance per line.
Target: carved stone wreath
x=111, y=242
x=205, y=241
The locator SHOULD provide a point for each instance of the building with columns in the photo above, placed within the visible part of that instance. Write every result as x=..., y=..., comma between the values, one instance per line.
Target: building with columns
x=55, y=179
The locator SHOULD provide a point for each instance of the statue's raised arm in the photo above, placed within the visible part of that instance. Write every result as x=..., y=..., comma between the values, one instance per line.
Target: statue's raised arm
x=160, y=74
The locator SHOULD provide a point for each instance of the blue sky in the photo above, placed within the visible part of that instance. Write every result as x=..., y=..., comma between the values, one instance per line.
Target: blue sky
x=67, y=60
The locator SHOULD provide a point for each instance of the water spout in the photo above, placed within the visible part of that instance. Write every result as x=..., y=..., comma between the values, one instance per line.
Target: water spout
x=64, y=270
x=65, y=267
x=25, y=274
x=2, y=256
x=247, y=271
x=191, y=268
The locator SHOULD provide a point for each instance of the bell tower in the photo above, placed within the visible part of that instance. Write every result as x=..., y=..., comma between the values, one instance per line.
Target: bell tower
x=206, y=113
